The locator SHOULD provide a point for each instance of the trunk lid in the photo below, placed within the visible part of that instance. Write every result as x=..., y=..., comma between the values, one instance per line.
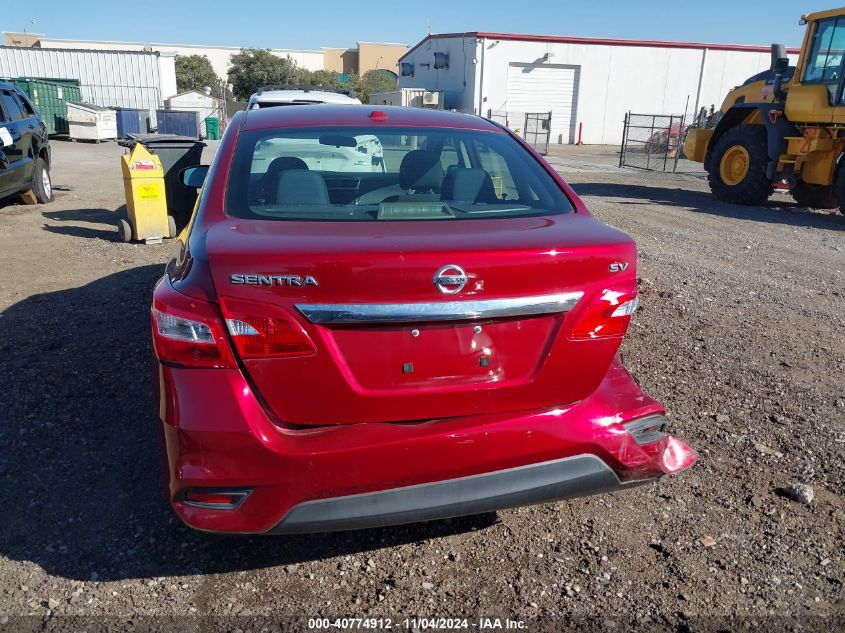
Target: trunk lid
x=391, y=346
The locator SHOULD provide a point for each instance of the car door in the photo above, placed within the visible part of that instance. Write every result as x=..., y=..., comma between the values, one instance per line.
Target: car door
x=33, y=134
x=14, y=140
x=7, y=176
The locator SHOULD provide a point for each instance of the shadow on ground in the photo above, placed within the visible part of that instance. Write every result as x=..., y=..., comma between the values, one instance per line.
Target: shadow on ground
x=774, y=211
x=79, y=450
x=74, y=221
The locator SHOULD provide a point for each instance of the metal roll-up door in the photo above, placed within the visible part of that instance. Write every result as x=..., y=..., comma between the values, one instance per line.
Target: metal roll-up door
x=546, y=88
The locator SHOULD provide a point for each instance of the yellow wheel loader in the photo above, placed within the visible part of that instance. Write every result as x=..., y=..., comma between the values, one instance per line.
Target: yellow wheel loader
x=785, y=124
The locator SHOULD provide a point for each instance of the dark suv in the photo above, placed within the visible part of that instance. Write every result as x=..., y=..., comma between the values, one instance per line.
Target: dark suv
x=24, y=147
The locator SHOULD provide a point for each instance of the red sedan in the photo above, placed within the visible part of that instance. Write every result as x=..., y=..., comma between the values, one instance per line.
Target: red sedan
x=388, y=316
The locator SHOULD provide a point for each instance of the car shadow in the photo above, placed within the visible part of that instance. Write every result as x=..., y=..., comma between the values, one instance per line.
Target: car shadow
x=77, y=219
x=773, y=212
x=80, y=455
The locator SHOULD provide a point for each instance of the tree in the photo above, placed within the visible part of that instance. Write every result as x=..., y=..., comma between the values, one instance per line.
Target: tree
x=195, y=72
x=376, y=80
x=325, y=78
x=253, y=67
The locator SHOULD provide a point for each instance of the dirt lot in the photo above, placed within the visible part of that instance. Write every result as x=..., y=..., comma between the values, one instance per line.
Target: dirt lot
x=742, y=335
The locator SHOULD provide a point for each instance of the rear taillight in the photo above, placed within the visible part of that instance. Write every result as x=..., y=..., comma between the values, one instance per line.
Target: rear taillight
x=188, y=332
x=262, y=330
x=606, y=313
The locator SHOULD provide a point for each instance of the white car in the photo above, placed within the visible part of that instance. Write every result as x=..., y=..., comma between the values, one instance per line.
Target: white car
x=367, y=155
x=271, y=96
x=319, y=154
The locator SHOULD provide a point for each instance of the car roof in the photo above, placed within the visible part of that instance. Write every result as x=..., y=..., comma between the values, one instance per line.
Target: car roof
x=347, y=115
x=284, y=96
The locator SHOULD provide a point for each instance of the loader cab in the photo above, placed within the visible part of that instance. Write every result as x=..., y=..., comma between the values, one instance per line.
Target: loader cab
x=825, y=56
x=815, y=92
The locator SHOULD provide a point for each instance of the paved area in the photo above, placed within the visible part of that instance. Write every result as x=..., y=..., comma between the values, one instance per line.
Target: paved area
x=742, y=335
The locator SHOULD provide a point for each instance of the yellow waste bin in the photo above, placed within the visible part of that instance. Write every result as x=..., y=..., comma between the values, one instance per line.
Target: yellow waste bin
x=146, y=203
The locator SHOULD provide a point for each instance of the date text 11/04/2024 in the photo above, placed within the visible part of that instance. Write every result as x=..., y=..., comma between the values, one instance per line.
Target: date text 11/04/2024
x=417, y=624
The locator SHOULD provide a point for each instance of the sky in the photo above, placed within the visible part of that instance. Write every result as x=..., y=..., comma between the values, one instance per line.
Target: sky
x=332, y=23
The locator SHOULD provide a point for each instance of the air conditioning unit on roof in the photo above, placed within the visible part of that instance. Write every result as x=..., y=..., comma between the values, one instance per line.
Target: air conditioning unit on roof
x=430, y=98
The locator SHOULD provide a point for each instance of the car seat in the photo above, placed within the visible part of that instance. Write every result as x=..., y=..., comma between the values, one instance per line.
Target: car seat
x=299, y=187
x=469, y=185
x=270, y=183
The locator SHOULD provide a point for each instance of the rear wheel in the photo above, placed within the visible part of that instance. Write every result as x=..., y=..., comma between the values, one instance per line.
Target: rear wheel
x=814, y=196
x=42, y=185
x=737, y=171
x=839, y=187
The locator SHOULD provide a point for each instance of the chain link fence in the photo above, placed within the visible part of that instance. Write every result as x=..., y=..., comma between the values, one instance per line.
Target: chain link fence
x=534, y=127
x=538, y=129
x=656, y=142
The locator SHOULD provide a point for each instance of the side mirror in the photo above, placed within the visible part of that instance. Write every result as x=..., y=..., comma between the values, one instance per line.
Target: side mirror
x=780, y=64
x=193, y=177
x=780, y=60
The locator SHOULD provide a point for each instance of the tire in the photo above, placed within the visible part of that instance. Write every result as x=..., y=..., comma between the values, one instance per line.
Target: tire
x=814, y=196
x=171, y=226
x=42, y=185
x=124, y=230
x=743, y=145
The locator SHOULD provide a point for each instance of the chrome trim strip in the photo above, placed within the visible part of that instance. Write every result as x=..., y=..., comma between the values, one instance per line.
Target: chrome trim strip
x=438, y=310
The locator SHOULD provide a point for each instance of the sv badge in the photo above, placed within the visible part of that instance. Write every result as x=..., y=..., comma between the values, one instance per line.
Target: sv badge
x=618, y=267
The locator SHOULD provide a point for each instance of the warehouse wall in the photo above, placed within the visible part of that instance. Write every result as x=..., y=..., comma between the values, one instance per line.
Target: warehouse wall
x=613, y=79
x=458, y=82
x=367, y=56
x=100, y=45
x=340, y=60
x=374, y=55
x=107, y=78
x=167, y=72
x=219, y=55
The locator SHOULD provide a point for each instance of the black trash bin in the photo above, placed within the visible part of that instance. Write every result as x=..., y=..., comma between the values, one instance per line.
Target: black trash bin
x=175, y=153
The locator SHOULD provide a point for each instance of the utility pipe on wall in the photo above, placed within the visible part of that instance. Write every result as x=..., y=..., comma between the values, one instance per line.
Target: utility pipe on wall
x=700, y=80
x=480, y=70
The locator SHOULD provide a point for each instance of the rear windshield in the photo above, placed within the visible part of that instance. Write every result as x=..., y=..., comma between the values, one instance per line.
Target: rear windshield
x=391, y=173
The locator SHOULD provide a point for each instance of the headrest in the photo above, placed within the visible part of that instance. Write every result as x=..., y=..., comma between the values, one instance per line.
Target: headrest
x=283, y=163
x=298, y=186
x=421, y=170
x=469, y=185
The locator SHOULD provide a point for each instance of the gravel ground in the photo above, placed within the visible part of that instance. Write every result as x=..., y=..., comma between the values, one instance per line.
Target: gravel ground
x=741, y=334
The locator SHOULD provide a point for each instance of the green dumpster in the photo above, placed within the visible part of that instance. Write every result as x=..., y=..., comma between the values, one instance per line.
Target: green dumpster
x=50, y=99
x=212, y=128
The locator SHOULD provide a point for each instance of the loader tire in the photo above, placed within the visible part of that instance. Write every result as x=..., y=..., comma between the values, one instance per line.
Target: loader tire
x=813, y=196
x=839, y=187
x=737, y=171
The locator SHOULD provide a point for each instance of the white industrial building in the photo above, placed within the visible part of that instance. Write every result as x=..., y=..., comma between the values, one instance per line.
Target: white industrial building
x=108, y=78
x=192, y=101
x=587, y=84
x=219, y=55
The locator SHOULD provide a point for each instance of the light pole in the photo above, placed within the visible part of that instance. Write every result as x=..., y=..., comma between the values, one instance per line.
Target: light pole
x=25, y=34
